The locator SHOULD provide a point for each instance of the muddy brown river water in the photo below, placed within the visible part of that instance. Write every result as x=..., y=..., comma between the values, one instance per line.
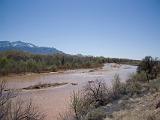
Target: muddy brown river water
x=53, y=101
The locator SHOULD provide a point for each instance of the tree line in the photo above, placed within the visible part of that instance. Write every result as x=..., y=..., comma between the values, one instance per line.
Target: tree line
x=22, y=62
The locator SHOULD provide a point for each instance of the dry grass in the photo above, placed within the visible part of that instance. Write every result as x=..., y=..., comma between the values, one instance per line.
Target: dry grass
x=143, y=108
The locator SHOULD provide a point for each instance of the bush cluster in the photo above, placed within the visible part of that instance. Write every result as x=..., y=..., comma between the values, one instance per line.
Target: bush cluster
x=85, y=104
x=21, y=62
x=150, y=66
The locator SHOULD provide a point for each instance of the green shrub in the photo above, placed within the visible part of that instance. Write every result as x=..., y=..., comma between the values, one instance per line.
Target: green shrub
x=150, y=66
x=139, y=77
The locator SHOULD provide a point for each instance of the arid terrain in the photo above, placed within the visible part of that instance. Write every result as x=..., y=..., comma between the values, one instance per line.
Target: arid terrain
x=55, y=100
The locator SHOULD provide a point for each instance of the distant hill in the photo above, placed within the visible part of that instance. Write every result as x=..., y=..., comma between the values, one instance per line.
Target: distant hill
x=27, y=47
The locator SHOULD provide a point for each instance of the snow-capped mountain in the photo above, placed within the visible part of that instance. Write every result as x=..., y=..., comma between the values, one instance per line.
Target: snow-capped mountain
x=27, y=47
x=20, y=44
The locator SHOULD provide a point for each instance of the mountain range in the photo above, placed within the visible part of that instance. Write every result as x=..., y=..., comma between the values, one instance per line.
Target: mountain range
x=27, y=47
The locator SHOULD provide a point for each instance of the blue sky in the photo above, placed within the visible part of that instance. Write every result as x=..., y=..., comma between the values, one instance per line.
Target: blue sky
x=111, y=28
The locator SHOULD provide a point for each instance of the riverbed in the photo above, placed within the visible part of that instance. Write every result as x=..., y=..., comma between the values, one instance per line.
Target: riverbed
x=55, y=100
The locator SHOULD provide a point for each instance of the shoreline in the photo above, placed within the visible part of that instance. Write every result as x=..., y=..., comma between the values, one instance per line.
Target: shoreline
x=59, y=71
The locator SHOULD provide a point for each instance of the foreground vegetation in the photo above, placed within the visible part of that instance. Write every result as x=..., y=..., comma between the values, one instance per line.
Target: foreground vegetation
x=97, y=101
x=22, y=62
x=12, y=107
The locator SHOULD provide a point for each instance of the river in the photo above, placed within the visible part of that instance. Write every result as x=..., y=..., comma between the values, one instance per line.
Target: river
x=53, y=101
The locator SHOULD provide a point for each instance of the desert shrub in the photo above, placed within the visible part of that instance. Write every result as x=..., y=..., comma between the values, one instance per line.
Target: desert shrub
x=133, y=86
x=80, y=105
x=22, y=110
x=77, y=105
x=94, y=95
x=118, y=88
x=97, y=93
x=96, y=114
x=136, y=84
x=12, y=108
x=140, y=77
x=116, y=85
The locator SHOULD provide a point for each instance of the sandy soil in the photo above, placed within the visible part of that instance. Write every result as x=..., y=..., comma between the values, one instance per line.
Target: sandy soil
x=53, y=101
